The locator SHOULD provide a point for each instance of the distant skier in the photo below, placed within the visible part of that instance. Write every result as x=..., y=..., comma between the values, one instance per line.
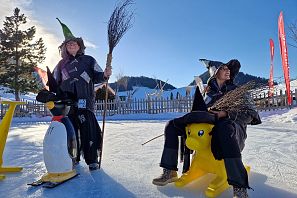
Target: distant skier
x=228, y=134
x=77, y=73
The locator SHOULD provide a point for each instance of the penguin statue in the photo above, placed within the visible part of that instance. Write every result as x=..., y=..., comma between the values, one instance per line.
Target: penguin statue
x=59, y=143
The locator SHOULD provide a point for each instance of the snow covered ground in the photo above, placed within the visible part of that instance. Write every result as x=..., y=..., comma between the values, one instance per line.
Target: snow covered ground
x=128, y=167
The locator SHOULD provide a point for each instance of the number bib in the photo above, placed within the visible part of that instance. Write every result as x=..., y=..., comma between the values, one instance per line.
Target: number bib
x=82, y=103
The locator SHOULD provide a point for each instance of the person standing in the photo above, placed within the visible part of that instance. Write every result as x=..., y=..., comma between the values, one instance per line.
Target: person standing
x=77, y=73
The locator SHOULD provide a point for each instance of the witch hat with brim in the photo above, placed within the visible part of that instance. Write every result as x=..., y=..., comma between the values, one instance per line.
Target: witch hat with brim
x=199, y=113
x=70, y=37
x=211, y=65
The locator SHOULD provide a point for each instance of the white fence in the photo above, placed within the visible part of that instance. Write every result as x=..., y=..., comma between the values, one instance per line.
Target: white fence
x=152, y=106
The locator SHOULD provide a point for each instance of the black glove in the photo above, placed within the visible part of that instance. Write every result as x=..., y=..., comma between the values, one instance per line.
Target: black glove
x=46, y=96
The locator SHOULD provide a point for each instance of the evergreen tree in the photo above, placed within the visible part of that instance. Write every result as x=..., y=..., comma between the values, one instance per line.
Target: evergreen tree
x=19, y=54
x=177, y=95
x=171, y=96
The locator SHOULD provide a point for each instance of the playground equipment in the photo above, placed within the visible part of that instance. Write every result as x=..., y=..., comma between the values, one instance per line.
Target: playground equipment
x=4, y=128
x=203, y=162
x=59, y=147
x=59, y=143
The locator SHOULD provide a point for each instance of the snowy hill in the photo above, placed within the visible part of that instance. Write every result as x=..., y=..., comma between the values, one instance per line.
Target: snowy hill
x=144, y=92
x=282, y=86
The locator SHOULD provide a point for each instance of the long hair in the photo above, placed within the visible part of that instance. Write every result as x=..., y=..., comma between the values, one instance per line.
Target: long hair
x=63, y=51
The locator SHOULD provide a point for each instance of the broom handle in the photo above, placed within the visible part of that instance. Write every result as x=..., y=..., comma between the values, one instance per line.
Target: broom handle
x=152, y=139
x=108, y=64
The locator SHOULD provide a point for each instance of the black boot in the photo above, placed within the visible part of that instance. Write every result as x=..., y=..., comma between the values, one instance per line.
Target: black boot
x=240, y=192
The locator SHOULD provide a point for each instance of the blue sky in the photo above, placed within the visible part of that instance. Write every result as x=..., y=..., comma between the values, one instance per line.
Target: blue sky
x=169, y=36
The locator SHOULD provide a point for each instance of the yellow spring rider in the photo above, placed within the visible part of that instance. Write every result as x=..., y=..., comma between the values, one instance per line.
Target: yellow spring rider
x=203, y=162
x=4, y=128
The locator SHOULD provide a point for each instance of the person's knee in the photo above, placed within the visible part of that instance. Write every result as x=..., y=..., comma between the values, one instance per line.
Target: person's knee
x=168, y=127
x=225, y=123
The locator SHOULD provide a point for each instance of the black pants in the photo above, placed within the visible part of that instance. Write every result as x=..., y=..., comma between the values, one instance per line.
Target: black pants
x=88, y=129
x=227, y=143
x=173, y=129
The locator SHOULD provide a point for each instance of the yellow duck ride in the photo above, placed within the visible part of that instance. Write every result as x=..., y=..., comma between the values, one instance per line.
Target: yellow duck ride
x=203, y=162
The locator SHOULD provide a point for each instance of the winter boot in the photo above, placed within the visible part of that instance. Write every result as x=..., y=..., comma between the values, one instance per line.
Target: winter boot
x=93, y=166
x=168, y=176
x=240, y=192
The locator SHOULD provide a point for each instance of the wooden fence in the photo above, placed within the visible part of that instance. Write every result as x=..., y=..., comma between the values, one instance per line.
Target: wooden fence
x=152, y=106
x=278, y=101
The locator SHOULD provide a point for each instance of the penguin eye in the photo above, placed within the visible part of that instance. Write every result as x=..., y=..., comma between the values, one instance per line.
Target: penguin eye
x=200, y=133
x=189, y=131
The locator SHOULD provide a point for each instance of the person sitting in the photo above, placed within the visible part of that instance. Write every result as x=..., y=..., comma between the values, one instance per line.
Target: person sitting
x=229, y=132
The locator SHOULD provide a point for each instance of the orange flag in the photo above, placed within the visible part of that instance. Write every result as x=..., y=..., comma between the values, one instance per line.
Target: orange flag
x=284, y=55
x=43, y=76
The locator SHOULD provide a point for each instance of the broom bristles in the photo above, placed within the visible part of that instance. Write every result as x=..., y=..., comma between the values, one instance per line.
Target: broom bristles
x=238, y=99
x=119, y=23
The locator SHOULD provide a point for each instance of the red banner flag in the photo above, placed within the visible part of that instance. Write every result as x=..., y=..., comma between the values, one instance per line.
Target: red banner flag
x=270, y=82
x=284, y=55
x=43, y=76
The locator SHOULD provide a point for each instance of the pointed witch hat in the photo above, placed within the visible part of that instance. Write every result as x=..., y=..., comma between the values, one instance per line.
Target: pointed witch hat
x=69, y=37
x=66, y=31
x=199, y=112
x=213, y=66
x=199, y=104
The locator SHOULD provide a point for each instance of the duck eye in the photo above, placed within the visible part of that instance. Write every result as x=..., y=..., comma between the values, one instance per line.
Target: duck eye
x=200, y=133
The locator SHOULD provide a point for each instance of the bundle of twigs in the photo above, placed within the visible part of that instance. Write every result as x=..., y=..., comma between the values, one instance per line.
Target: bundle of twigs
x=119, y=22
x=237, y=100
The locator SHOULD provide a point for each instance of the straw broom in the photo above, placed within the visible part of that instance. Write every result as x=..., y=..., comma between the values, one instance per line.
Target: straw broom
x=238, y=100
x=118, y=24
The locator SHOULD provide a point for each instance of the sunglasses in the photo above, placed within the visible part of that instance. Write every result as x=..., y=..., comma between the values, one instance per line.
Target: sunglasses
x=71, y=43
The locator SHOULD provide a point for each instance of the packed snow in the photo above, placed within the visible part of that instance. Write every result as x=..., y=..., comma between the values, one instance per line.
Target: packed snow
x=128, y=167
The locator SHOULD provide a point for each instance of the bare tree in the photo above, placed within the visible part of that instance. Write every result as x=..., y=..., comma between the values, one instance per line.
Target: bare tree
x=293, y=33
x=121, y=81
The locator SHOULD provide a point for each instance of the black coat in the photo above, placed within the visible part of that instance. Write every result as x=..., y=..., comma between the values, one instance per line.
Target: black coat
x=239, y=121
x=78, y=75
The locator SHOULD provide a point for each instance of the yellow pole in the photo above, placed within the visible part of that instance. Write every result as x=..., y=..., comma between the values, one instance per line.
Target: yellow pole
x=4, y=128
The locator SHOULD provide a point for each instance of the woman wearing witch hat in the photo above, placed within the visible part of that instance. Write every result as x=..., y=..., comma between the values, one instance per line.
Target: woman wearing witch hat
x=229, y=132
x=77, y=73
